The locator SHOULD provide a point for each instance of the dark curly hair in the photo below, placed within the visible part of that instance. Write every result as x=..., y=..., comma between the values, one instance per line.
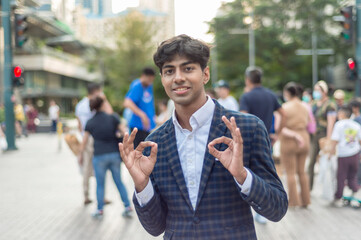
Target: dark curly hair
x=182, y=45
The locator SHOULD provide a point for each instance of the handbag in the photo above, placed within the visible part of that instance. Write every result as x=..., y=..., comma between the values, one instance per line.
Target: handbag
x=3, y=143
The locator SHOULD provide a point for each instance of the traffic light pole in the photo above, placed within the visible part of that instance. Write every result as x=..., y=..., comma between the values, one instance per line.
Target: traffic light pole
x=358, y=47
x=9, y=105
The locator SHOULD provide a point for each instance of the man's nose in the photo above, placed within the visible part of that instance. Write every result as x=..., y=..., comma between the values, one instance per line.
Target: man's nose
x=178, y=76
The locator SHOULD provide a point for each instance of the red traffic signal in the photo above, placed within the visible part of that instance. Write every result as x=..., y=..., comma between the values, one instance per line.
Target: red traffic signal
x=351, y=64
x=17, y=71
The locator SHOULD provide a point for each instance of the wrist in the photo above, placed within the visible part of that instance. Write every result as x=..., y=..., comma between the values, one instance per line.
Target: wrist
x=242, y=176
x=139, y=187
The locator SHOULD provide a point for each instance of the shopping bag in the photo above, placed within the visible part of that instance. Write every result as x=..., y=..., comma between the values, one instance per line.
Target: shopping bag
x=73, y=143
x=327, y=175
x=3, y=143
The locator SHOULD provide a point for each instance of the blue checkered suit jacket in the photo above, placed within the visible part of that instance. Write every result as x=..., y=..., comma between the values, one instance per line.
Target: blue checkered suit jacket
x=222, y=211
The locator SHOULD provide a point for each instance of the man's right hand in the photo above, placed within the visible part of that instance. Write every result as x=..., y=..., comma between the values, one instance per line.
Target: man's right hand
x=139, y=166
x=145, y=121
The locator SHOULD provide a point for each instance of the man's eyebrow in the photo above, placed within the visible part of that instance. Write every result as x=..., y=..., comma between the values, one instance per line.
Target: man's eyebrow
x=182, y=64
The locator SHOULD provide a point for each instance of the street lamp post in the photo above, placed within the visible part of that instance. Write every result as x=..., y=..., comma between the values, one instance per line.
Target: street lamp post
x=252, y=45
x=9, y=106
x=251, y=39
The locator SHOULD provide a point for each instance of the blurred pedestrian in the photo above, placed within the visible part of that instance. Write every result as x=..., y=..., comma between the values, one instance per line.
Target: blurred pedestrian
x=307, y=96
x=295, y=145
x=260, y=102
x=224, y=97
x=193, y=180
x=141, y=101
x=19, y=112
x=54, y=112
x=339, y=96
x=355, y=105
x=103, y=127
x=325, y=115
x=347, y=136
x=31, y=114
x=2, y=116
x=83, y=114
x=163, y=112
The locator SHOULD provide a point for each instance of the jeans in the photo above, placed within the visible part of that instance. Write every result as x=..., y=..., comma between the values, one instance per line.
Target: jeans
x=101, y=164
x=53, y=125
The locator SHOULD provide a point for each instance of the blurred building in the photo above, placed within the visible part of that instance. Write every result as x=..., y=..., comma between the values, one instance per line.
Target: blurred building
x=94, y=23
x=54, y=62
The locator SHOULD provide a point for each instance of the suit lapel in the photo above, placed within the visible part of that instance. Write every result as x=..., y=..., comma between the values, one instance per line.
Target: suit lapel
x=218, y=128
x=174, y=162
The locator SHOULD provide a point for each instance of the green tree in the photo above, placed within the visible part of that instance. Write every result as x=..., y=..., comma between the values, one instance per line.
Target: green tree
x=134, y=50
x=281, y=27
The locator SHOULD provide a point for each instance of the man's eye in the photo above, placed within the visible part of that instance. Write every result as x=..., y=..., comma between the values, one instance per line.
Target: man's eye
x=189, y=69
x=169, y=71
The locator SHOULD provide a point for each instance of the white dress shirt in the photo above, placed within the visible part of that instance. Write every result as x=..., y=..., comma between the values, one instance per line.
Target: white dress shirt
x=191, y=147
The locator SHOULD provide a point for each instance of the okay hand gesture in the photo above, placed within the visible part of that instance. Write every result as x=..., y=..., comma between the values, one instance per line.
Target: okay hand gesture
x=232, y=157
x=139, y=166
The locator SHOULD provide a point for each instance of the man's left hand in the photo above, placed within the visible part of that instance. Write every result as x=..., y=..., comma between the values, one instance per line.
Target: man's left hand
x=232, y=157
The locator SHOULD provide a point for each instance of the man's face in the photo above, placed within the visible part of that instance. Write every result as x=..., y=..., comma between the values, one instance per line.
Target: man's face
x=222, y=92
x=183, y=81
x=339, y=101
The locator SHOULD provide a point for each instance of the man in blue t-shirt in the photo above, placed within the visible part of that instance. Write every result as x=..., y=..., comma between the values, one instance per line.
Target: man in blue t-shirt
x=259, y=101
x=140, y=100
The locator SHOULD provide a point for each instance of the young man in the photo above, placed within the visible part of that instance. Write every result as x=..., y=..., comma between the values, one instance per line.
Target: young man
x=202, y=169
x=140, y=101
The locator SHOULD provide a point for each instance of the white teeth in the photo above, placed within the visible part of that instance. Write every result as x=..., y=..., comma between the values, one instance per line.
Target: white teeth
x=181, y=89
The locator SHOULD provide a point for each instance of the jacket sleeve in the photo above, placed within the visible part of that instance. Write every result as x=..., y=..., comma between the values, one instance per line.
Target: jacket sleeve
x=267, y=195
x=152, y=215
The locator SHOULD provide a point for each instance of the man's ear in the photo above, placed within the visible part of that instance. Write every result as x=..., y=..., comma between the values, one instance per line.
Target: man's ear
x=206, y=75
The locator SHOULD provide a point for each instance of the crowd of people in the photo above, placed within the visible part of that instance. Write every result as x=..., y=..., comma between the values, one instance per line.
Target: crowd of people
x=296, y=121
x=170, y=155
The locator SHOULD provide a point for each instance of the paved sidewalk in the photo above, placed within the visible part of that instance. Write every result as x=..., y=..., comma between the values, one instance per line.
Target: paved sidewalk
x=41, y=198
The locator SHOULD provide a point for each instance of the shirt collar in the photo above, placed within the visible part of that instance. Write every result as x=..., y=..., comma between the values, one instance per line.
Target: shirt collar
x=200, y=117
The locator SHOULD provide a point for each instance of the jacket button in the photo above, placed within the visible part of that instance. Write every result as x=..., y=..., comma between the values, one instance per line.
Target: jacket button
x=196, y=220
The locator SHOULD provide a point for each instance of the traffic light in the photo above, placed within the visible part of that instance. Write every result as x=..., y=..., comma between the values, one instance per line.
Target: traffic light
x=351, y=69
x=18, y=76
x=347, y=24
x=21, y=26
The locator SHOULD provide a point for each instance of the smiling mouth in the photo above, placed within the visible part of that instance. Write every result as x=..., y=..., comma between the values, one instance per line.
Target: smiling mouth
x=181, y=90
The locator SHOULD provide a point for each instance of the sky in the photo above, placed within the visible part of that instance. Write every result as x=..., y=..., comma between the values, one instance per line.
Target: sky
x=190, y=15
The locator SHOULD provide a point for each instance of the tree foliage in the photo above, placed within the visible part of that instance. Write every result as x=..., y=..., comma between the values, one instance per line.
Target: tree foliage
x=281, y=27
x=134, y=50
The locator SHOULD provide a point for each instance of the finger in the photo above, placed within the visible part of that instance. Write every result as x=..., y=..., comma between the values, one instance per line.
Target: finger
x=222, y=139
x=132, y=136
x=125, y=138
x=143, y=145
x=229, y=125
x=226, y=121
x=122, y=153
x=212, y=150
x=153, y=153
x=238, y=137
x=233, y=123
